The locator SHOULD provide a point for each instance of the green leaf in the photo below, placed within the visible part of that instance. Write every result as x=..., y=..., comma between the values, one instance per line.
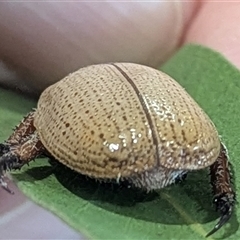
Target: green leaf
x=109, y=211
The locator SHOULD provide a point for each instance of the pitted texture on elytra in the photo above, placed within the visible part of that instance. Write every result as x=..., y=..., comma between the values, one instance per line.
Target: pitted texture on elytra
x=109, y=120
x=187, y=137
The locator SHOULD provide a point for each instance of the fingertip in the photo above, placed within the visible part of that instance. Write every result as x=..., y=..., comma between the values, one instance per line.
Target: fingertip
x=216, y=26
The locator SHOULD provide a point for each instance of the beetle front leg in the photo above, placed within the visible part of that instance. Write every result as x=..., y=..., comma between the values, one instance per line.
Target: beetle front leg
x=19, y=155
x=23, y=129
x=224, y=195
x=11, y=155
x=4, y=148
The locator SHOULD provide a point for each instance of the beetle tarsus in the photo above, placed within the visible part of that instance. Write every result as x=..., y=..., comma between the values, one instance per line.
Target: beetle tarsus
x=3, y=167
x=8, y=161
x=223, y=191
x=224, y=204
x=4, y=148
x=21, y=147
x=4, y=185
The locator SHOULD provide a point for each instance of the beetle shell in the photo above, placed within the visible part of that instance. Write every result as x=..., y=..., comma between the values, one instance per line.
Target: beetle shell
x=113, y=120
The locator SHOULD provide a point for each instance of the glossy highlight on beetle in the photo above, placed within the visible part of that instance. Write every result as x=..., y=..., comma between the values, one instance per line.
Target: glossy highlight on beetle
x=123, y=121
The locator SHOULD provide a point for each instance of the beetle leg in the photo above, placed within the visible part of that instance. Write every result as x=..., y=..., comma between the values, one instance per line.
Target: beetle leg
x=22, y=130
x=8, y=156
x=224, y=195
x=4, y=185
x=4, y=148
x=18, y=155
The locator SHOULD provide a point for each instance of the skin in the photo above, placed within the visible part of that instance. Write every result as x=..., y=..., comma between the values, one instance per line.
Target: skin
x=216, y=26
x=210, y=23
x=60, y=43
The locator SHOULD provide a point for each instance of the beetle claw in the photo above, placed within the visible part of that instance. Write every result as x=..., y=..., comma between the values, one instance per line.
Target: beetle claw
x=224, y=204
x=3, y=184
x=7, y=162
x=224, y=218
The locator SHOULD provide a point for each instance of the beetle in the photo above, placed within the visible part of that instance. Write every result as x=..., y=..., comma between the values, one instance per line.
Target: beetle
x=123, y=121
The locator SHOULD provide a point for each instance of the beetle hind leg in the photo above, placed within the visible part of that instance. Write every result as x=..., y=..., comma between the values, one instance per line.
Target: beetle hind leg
x=224, y=204
x=224, y=195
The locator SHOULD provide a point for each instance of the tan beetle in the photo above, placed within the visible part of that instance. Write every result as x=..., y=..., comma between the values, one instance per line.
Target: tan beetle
x=123, y=121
